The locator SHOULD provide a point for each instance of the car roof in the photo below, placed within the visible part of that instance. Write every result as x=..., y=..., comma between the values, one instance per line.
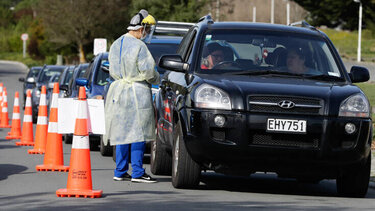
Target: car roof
x=56, y=66
x=261, y=26
x=160, y=39
x=36, y=68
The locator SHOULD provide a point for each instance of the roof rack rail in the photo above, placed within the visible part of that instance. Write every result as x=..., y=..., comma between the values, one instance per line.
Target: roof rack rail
x=207, y=18
x=173, y=27
x=302, y=23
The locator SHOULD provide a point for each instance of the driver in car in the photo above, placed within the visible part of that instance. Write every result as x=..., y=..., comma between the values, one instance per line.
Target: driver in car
x=215, y=55
x=295, y=62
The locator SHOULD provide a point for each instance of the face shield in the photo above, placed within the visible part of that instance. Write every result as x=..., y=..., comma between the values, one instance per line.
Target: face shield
x=147, y=32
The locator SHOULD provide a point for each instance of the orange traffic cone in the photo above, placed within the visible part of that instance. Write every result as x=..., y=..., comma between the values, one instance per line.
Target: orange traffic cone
x=15, y=132
x=27, y=138
x=4, y=122
x=79, y=178
x=53, y=158
x=41, y=127
x=1, y=98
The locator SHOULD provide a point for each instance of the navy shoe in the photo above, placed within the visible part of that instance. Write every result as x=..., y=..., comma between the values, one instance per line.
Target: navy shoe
x=126, y=177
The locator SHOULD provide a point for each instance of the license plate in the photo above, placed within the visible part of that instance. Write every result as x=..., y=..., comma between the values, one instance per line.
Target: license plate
x=286, y=125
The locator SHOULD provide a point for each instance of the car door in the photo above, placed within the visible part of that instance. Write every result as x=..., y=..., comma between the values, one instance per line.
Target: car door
x=173, y=85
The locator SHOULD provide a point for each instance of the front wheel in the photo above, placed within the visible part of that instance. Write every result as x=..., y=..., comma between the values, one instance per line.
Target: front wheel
x=68, y=138
x=354, y=182
x=185, y=171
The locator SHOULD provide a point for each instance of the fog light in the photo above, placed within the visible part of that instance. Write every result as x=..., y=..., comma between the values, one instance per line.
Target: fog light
x=219, y=120
x=350, y=128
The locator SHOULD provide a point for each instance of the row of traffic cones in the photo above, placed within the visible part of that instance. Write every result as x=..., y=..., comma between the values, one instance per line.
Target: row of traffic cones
x=49, y=142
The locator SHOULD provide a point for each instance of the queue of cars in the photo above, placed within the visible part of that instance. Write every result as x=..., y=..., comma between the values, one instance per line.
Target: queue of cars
x=251, y=111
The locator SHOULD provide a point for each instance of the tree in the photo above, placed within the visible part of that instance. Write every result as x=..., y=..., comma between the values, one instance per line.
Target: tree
x=80, y=21
x=170, y=10
x=338, y=13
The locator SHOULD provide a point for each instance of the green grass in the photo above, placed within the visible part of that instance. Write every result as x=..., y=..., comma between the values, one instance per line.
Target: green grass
x=346, y=43
x=369, y=89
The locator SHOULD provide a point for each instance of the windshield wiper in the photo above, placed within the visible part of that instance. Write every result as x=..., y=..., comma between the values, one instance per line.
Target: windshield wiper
x=264, y=72
x=324, y=77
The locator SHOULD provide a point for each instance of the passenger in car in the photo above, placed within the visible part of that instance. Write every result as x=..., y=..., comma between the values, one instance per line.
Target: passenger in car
x=295, y=62
x=213, y=54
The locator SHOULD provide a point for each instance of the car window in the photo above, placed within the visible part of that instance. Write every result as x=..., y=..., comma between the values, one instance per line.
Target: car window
x=182, y=50
x=225, y=51
x=47, y=73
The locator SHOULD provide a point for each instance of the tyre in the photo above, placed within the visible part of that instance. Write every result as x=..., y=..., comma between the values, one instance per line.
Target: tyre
x=353, y=182
x=161, y=161
x=68, y=138
x=34, y=117
x=94, y=143
x=105, y=150
x=185, y=171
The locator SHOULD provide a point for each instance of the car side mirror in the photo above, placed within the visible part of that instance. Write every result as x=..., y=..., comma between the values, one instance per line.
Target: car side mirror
x=174, y=63
x=359, y=74
x=105, y=69
x=105, y=66
x=82, y=81
x=64, y=87
x=21, y=79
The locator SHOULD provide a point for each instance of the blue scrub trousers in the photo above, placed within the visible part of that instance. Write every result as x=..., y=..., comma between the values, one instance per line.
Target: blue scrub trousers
x=122, y=159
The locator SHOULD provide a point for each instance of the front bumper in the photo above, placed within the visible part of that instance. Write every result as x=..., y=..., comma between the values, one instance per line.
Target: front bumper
x=243, y=142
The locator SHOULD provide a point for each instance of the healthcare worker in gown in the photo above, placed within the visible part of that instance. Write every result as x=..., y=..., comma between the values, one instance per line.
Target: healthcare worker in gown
x=129, y=109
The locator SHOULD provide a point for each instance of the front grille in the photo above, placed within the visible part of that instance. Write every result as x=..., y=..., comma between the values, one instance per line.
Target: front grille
x=286, y=140
x=311, y=106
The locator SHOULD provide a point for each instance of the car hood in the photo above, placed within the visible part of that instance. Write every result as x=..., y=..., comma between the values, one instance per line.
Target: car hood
x=241, y=87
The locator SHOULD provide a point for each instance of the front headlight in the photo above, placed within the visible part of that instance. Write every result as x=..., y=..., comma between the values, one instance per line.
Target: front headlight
x=207, y=96
x=355, y=106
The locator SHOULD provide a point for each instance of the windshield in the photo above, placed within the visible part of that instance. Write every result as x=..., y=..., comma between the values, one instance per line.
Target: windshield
x=47, y=73
x=33, y=72
x=242, y=51
x=158, y=49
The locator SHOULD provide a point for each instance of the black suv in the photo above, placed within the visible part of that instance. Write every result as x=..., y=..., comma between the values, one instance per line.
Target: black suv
x=279, y=101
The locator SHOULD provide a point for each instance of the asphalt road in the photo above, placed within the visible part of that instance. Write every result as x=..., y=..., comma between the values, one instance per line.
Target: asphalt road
x=22, y=188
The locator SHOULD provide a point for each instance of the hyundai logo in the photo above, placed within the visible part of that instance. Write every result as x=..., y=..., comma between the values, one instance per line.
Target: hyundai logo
x=286, y=104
